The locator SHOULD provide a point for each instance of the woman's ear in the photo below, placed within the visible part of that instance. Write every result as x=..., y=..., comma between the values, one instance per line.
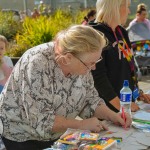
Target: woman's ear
x=68, y=58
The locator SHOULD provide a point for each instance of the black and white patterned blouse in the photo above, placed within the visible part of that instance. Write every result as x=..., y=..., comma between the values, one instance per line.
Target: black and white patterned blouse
x=37, y=91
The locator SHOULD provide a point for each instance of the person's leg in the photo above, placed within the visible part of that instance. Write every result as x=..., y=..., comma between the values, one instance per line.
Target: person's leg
x=27, y=145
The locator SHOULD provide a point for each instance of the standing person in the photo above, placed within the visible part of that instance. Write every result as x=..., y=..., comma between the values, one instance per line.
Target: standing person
x=89, y=17
x=117, y=64
x=22, y=15
x=41, y=7
x=141, y=16
x=35, y=14
x=6, y=64
x=51, y=85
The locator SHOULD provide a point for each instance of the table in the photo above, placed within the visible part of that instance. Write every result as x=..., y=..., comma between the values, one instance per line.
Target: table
x=132, y=139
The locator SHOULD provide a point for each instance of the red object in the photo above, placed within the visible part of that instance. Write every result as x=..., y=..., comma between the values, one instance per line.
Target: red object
x=123, y=115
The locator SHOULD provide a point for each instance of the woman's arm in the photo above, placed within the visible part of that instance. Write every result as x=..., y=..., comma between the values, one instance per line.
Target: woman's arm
x=115, y=102
x=62, y=124
x=103, y=112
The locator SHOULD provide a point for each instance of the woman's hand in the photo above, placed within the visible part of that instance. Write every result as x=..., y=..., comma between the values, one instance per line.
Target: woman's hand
x=103, y=112
x=145, y=98
x=93, y=124
x=61, y=124
x=125, y=122
x=134, y=107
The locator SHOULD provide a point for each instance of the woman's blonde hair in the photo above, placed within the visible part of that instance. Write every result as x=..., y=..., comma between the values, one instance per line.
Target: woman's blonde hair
x=3, y=39
x=80, y=39
x=109, y=11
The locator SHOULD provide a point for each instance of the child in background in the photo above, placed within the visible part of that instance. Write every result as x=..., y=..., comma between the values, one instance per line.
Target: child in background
x=90, y=17
x=6, y=64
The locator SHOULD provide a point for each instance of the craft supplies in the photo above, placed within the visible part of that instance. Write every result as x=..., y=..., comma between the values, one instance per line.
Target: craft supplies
x=102, y=144
x=83, y=139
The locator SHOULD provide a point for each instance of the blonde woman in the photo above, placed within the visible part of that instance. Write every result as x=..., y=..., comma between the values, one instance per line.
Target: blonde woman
x=51, y=85
x=6, y=64
x=117, y=64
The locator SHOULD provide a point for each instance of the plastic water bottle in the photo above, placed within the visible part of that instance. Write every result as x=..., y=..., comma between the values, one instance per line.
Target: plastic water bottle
x=125, y=97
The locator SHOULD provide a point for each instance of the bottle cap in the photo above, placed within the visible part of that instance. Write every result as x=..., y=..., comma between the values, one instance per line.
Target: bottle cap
x=126, y=83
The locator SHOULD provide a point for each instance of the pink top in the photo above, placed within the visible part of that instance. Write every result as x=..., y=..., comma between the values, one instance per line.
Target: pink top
x=5, y=70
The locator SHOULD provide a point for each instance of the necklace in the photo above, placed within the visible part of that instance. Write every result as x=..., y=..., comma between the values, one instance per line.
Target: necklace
x=128, y=55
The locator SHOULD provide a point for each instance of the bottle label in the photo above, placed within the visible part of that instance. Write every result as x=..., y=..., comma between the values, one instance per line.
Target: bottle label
x=125, y=97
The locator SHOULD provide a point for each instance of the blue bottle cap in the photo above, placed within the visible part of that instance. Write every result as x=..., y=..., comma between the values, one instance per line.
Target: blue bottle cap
x=126, y=83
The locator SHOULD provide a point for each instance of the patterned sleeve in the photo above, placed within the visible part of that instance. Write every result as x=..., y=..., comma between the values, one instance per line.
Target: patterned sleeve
x=92, y=99
x=38, y=94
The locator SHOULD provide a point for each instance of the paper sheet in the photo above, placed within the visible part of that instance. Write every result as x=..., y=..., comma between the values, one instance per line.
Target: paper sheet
x=133, y=147
x=132, y=138
x=145, y=107
x=142, y=115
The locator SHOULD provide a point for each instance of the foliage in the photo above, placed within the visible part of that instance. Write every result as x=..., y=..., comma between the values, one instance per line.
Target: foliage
x=61, y=19
x=8, y=26
x=34, y=32
x=42, y=30
x=80, y=16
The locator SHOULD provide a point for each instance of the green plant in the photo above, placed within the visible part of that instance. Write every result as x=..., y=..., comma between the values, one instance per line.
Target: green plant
x=8, y=26
x=60, y=20
x=79, y=16
x=42, y=30
x=34, y=32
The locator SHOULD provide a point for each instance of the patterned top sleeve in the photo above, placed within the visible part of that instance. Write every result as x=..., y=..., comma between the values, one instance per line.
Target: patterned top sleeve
x=92, y=98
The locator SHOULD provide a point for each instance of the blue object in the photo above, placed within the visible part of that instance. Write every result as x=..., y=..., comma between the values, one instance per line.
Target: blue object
x=126, y=93
x=126, y=83
x=1, y=88
x=135, y=94
x=126, y=97
x=146, y=46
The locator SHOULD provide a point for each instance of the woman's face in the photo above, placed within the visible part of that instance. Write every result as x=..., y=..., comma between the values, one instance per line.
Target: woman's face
x=2, y=48
x=142, y=16
x=91, y=18
x=81, y=65
x=124, y=12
